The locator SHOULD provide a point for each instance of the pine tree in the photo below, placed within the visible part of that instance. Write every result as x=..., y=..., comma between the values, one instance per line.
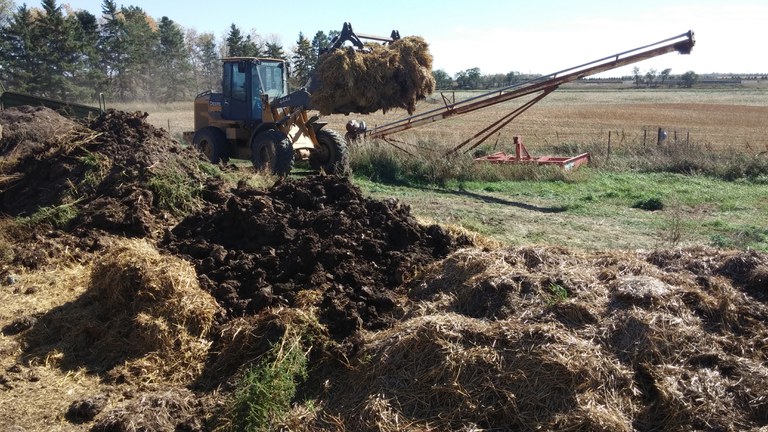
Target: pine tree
x=235, y=42
x=112, y=51
x=274, y=50
x=175, y=70
x=320, y=43
x=140, y=43
x=90, y=78
x=301, y=61
x=58, y=52
x=18, y=63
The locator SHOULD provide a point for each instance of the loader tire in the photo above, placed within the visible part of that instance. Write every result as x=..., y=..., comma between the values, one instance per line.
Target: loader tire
x=272, y=151
x=212, y=142
x=332, y=154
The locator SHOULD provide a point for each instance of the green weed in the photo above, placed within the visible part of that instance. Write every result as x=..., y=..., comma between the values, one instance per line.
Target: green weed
x=175, y=192
x=56, y=216
x=557, y=293
x=649, y=204
x=265, y=392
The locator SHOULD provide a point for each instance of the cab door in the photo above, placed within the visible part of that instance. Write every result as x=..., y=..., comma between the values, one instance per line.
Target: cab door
x=237, y=92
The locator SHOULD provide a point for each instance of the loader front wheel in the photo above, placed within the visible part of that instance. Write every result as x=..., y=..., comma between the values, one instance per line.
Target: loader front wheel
x=332, y=155
x=212, y=143
x=272, y=151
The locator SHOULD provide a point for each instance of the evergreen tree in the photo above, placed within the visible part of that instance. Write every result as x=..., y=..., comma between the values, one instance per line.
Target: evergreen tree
x=18, y=56
x=320, y=43
x=274, y=50
x=174, y=68
x=301, y=60
x=91, y=76
x=235, y=42
x=242, y=46
x=58, y=52
x=140, y=43
x=112, y=51
x=252, y=48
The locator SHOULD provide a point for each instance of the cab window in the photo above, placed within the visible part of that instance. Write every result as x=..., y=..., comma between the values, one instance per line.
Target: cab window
x=234, y=81
x=271, y=77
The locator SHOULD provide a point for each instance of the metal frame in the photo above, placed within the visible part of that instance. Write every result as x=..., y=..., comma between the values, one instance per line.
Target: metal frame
x=544, y=85
x=522, y=156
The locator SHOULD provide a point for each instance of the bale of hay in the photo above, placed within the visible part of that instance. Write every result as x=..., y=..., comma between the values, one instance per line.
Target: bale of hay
x=381, y=78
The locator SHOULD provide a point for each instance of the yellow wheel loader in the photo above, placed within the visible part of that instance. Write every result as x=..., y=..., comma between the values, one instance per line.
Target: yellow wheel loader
x=255, y=118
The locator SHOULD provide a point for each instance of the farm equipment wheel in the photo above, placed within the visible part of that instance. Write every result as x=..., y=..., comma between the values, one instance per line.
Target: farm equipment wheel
x=272, y=150
x=212, y=143
x=332, y=155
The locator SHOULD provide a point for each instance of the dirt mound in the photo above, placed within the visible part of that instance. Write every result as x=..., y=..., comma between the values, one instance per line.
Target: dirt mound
x=546, y=338
x=26, y=129
x=382, y=78
x=262, y=249
x=111, y=176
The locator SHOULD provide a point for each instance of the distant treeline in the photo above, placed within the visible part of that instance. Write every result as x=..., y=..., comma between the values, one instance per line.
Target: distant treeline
x=71, y=54
x=473, y=79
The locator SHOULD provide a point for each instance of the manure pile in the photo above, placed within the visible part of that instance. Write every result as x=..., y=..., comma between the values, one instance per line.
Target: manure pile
x=386, y=77
x=262, y=249
x=128, y=316
x=105, y=170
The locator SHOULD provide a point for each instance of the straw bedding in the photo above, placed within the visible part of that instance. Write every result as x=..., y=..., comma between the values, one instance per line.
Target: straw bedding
x=144, y=317
x=628, y=341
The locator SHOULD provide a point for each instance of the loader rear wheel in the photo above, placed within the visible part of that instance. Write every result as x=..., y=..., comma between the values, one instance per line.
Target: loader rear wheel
x=212, y=143
x=272, y=151
x=332, y=155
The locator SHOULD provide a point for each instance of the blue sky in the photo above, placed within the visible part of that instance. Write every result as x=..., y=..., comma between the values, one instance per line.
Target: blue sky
x=501, y=36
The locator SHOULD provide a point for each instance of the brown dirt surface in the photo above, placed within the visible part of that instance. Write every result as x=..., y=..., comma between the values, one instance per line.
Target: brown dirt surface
x=103, y=170
x=258, y=250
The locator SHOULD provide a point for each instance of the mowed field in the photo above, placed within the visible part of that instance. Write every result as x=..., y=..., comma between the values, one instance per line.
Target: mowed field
x=723, y=119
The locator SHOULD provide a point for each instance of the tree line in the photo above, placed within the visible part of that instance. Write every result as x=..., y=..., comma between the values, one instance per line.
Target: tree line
x=57, y=52
x=473, y=79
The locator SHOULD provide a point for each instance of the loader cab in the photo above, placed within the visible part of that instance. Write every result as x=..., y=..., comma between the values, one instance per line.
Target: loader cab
x=245, y=80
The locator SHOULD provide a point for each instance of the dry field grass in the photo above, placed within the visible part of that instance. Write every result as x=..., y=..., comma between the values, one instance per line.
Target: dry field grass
x=722, y=119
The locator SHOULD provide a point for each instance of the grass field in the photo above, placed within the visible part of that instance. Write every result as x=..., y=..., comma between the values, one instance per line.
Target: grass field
x=592, y=208
x=721, y=118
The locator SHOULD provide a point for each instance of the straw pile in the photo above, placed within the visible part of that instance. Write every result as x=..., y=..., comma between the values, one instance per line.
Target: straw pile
x=387, y=76
x=242, y=341
x=143, y=316
x=173, y=409
x=548, y=339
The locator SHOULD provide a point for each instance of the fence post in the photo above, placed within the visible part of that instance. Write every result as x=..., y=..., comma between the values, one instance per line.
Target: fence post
x=608, y=157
